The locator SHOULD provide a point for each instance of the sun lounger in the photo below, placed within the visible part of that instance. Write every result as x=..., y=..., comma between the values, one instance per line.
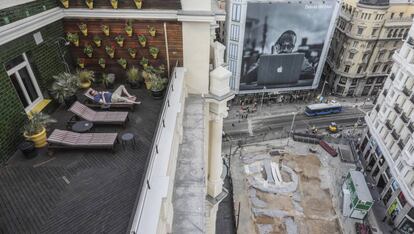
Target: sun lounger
x=90, y=102
x=62, y=139
x=99, y=117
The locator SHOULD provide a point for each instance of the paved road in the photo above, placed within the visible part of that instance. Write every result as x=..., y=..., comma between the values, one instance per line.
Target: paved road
x=259, y=125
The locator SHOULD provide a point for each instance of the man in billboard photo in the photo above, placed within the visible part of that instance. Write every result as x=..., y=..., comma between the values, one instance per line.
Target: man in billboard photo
x=283, y=44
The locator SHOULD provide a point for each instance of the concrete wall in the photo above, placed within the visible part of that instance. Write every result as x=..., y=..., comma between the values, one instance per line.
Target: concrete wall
x=196, y=5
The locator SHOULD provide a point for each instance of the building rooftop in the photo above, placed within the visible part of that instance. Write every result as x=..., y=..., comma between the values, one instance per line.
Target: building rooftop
x=79, y=191
x=361, y=187
x=375, y=2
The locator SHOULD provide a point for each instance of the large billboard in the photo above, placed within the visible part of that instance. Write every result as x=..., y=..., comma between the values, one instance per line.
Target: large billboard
x=285, y=45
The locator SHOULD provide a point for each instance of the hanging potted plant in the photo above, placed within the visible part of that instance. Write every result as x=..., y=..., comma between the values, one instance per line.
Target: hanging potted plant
x=154, y=51
x=114, y=4
x=73, y=38
x=120, y=40
x=65, y=3
x=83, y=28
x=108, y=80
x=138, y=4
x=81, y=62
x=105, y=29
x=146, y=75
x=110, y=50
x=85, y=78
x=128, y=29
x=142, y=40
x=35, y=128
x=101, y=62
x=144, y=62
x=152, y=31
x=133, y=78
x=132, y=52
x=122, y=62
x=97, y=40
x=89, y=3
x=64, y=88
x=88, y=50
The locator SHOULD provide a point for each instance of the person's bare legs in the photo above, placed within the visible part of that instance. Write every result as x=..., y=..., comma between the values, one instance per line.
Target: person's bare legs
x=124, y=99
x=125, y=91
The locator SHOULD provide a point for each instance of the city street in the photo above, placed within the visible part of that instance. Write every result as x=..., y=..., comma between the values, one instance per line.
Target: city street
x=259, y=125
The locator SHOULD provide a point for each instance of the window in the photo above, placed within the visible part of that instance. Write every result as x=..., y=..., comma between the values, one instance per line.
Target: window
x=390, y=33
x=24, y=82
x=342, y=80
x=364, y=57
x=351, y=55
x=347, y=67
x=396, y=43
x=354, y=81
x=384, y=69
x=355, y=44
x=359, y=70
x=391, y=54
x=380, y=80
x=374, y=31
x=360, y=30
x=375, y=68
x=370, y=80
x=400, y=167
x=380, y=55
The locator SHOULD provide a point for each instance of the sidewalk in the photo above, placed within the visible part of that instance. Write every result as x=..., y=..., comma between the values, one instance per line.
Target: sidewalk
x=235, y=110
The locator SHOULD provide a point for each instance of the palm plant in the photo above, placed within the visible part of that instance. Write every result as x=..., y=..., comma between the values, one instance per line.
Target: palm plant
x=37, y=123
x=65, y=85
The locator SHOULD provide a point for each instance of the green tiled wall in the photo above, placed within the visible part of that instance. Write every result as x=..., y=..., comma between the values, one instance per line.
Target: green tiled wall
x=19, y=12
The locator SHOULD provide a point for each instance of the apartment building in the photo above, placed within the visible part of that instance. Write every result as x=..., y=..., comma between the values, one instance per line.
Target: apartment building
x=387, y=149
x=366, y=36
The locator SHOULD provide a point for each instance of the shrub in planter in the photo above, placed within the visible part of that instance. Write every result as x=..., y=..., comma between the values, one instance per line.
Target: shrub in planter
x=102, y=62
x=120, y=40
x=123, y=63
x=97, y=40
x=134, y=78
x=64, y=88
x=154, y=51
x=105, y=29
x=132, y=52
x=108, y=80
x=73, y=38
x=128, y=29
x=88, y=50
x=83, y=28
x=89, y=3
x=138, y=4
x=85, y=78
x=144, y=62
x=158, y=85
x=35, y=128
x=110, y=50
x=65, y=3
x=152, y=31
x=142, y=40
x=114, y=4
x=81, y=62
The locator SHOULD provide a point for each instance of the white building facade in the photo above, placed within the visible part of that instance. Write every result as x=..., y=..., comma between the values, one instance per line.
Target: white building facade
x=387, y=149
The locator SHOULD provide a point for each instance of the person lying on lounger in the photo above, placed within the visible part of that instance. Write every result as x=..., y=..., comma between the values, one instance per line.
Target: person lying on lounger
x=119, y=95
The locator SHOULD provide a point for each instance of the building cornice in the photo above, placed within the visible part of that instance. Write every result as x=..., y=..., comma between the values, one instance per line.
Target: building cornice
x=27, y=25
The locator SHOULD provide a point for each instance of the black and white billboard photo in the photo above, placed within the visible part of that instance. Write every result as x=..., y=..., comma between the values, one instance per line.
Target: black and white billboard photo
x=285, y=44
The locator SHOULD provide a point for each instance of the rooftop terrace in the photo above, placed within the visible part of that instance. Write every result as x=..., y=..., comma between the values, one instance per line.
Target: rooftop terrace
x=79, y=191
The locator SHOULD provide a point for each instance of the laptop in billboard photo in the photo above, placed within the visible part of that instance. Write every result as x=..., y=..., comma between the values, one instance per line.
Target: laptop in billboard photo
x=280, y=69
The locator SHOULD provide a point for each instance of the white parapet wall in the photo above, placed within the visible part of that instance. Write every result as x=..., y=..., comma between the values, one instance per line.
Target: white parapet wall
x=153, y=213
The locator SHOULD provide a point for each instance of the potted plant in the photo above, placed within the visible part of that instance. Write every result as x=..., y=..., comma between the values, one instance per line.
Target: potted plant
x=98, y=41
x=152, y=31
x=81, y=62
x=64, y=88
x=144, y=62
x=132, y=52
x=83, y=28
x=128, y=29
x=105, y=29
x=35, y=128
x=154, y=51
x=158, y=85
x=88, y=50
x=142, y=40
x=101, y=62
x=138, y=4
x=110, y=50
x=114, y=4
x=133, y=77
x=73, y=38
x=108, y=80
x=65, y=3
x=120, y=40
x=89, y=3
x=122, y=62
x=85, y=78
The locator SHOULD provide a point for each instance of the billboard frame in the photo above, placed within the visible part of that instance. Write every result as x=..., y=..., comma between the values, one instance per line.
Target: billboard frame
x=236, y=22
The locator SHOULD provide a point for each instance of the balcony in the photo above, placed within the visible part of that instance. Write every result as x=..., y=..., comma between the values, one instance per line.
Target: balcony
x=411, y=127
x=395, y=135
x=385, y=92
x=388, y=125
x=401, y=145
x=377, y=108
x=397, y=108
x=404, y=118
x=392, y=76
x=407, y=92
